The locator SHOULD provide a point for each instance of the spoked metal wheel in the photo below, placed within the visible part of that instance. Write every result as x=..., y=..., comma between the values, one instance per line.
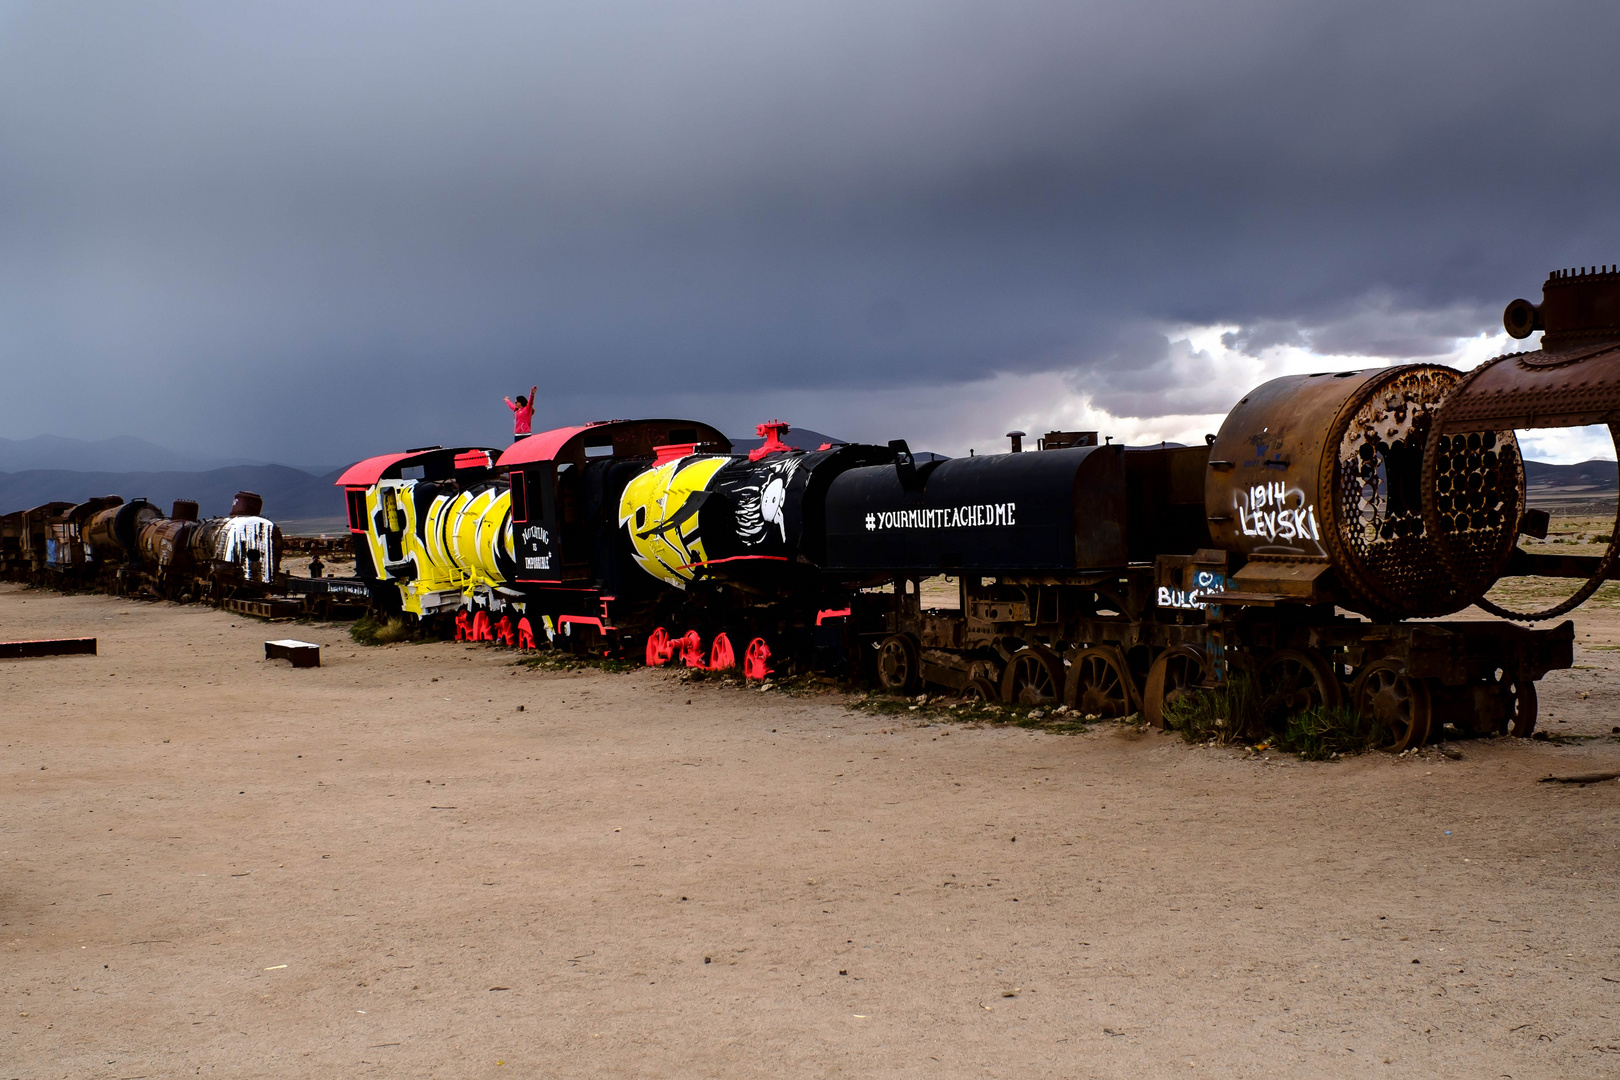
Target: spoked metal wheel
x=658, y=647
x=1173, y=675
x=1293, y=680
x=1396, y=702
x=1523, y=704
x=980, y=689
x=988, y=670
x=757, y=660
x=897, y=664
x=722, y=657
x=1033, y=677
x=1098, y=683
x=1518, y=707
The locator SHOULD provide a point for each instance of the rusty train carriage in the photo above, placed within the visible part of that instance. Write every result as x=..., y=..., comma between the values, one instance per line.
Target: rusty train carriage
x=133, y=549
x=1339, y=506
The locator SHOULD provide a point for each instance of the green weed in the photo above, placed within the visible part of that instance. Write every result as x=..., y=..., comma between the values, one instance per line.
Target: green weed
x=370, y=630
x=1225, y=714
x=939, y=709
x=1319, y=732
x=1236, y=712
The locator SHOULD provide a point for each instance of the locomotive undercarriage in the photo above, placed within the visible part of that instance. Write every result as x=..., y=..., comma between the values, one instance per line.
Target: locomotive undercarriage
x=1102, y=645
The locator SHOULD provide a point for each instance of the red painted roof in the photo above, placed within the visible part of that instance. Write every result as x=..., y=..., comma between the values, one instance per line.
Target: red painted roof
x=367, y=472
x=546, y=445
x=542, y=446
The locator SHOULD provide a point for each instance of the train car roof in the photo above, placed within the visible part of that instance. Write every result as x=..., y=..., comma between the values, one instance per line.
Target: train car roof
x=627, y=438
x=368, y=472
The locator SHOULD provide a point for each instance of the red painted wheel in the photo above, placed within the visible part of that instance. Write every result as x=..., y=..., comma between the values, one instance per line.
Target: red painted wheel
x=757, y=660
x=721, y=658
x=691, y=647
x=658, y=648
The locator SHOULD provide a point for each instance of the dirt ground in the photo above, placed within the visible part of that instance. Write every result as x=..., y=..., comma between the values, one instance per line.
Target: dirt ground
x=215, y=865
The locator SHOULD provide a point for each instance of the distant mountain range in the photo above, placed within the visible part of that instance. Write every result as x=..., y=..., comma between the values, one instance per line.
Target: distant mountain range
x=289, y=494
x=1595, y=476
x=120, y=453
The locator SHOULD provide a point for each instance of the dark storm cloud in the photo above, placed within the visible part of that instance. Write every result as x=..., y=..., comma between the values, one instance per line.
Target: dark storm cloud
x=319, y=229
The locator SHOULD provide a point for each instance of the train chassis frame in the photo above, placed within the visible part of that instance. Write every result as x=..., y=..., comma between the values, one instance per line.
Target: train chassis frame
x=1103, y=644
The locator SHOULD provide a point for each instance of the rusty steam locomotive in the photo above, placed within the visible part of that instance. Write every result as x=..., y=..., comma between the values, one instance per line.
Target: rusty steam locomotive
x=133, y=548
x=1301, y=545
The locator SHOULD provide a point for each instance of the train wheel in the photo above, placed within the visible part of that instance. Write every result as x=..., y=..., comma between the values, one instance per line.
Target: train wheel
x=721, y=656
x=897, y=664
x=690, y=645
x=1173, y=675
x=988, y=670
x=757, y=660
x=1033, y=677
x=1519, y=695
x=1097, y=684
x=1293, y=680
x=979, y=689
x=1396, y=702
x=658, y=647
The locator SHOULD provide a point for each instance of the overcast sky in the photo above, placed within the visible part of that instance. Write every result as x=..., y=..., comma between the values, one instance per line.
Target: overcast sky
x=310, y=232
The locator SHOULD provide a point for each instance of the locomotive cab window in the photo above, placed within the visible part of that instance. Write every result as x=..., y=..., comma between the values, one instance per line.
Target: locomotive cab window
x=357, y=510
x=520, y=496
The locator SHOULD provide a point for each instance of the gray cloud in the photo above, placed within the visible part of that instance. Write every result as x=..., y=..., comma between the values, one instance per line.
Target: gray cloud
x=315, y=229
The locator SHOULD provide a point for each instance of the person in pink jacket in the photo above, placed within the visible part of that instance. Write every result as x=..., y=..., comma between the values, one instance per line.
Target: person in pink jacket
x=522, y=414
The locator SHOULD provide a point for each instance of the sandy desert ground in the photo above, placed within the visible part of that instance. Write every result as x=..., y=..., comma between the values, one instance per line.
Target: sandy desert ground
x=215, y=865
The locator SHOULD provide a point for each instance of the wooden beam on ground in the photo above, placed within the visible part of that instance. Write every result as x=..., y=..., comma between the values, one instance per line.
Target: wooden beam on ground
x=13, y=650
x=299, y=653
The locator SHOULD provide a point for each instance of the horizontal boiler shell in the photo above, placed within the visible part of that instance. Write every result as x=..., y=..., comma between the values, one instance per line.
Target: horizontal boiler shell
x=1327, y=468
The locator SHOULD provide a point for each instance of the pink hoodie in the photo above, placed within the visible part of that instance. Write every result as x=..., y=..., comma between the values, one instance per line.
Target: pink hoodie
x=522, y=414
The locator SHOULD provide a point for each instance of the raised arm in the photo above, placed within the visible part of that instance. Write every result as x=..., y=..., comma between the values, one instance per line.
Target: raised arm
x=533, y=390
x=511, y=406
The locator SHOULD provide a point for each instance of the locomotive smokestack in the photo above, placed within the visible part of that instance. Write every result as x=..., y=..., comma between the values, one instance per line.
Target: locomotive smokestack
x=1578, y=308
x=184, y=510
x=247, y=504
x=1017, y=438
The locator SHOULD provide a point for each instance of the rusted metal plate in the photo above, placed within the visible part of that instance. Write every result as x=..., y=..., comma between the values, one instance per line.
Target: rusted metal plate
x=1308, y=580
x=1572, y=388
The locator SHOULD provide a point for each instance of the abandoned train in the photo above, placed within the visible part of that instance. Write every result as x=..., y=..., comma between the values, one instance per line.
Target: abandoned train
x=1297, y=546
x=133, y=548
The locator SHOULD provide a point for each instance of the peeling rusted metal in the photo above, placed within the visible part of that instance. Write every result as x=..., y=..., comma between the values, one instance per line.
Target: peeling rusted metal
x=1348, y=447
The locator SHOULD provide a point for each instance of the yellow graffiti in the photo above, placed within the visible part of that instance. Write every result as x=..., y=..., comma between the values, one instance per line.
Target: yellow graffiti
x=663, y=529
x=454, y=550
x=468, y=531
